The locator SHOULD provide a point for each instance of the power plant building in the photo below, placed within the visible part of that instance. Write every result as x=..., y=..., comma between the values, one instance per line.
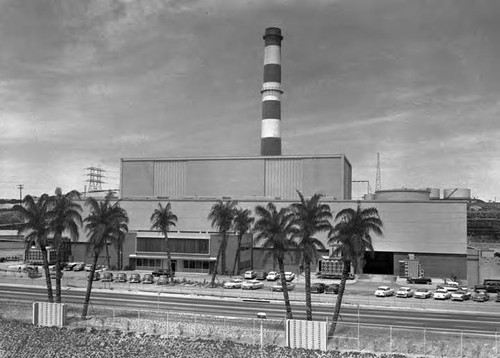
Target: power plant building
x=423, y=233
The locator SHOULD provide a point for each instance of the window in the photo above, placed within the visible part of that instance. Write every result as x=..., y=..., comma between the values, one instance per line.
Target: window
x=180, y=246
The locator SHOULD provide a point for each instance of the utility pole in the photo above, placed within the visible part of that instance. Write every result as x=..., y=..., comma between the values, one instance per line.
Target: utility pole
x=20, y=187
x=378, y=180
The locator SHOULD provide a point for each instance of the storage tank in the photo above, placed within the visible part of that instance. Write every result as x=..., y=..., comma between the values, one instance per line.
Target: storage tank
x=435, y=193
x=456, y=194
x=402, y=195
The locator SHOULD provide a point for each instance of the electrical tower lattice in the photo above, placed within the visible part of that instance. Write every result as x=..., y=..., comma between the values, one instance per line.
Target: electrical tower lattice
x=95, y=180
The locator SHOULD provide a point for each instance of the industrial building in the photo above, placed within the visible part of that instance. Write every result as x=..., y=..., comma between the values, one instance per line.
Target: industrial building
x=425, y=232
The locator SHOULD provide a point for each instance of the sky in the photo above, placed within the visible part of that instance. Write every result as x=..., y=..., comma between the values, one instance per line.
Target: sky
x=86, y=83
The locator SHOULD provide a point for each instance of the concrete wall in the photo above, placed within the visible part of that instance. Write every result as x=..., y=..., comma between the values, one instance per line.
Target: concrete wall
x=251, y=177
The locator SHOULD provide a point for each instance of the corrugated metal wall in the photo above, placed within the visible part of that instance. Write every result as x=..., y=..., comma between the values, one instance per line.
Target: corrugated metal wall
x=283, y=177
x=170, y=179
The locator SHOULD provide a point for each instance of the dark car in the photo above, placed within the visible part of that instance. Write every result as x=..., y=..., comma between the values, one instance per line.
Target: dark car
x=260, y=275
x=135, y=278
x=318, y=287
x=161, y=272
x=332, y=288
x=107, y=277
x=498, y=297
x=148, y=278
x=492, y=285
x=419, y=280
x=121, y=277
x=97, y=276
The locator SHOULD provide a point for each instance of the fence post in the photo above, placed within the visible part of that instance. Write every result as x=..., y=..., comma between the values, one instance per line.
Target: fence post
x=224, y=328
x=496, y=342
x=168, y=326
x=390, y=339
x=113, y=323
x=194, y=326
x=425, y=350
x=253, y=335
x=139, y=314
x=461, y=343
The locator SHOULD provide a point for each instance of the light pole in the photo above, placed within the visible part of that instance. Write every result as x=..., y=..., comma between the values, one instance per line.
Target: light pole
x=262, y=316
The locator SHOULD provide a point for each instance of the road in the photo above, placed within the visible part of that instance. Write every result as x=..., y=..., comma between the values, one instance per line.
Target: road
x=234, y=307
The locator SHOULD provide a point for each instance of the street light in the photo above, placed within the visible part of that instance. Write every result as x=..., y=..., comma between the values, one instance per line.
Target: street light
x=262, y=316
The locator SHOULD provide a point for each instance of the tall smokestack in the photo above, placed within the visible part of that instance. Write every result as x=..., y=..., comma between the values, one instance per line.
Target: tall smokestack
x=270, y=138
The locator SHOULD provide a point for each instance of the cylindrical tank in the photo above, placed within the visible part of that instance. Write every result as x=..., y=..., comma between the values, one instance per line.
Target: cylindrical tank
x=456, y=194
x=435, y=194
x=403, y=195
x=369, y=197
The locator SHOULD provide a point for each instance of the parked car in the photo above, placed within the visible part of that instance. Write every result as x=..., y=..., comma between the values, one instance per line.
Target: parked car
x=88, y=267
x=70, y=266
x=107, y=277
x=260, y=275
x=449, y=288
x=234, y=283
x=481, y=296
x=451, y=282
x=121, y=277
x=273, y=276
x=422, y=293
x=97, y=276
x=498, y=297
x=162, y=280
x=252, y=285
x=250, y=274
x=148, y=279
x=318, y=287
x=332, y=288
x=79, y=266
x=135, y=278
x=405, y=292
x=461, y=295
x=289, y=276
x=441, y=294
x=492, y=285
x=278, y=288
x=419, y=280
x=161, y=272
x=384, y=291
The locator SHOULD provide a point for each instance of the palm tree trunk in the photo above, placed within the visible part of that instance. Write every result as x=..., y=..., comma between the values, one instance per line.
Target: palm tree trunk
x=286, y=298
x=90, y=281
x=169, y=260
x=45, y=265
x=216, y=266
x=308, y=291
x=336, y=312
x=237, y=257
x=58, y=245
x=223, y=254
x=108, y=257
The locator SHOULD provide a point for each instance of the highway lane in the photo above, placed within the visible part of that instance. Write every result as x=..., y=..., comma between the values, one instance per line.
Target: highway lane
x=430, y=319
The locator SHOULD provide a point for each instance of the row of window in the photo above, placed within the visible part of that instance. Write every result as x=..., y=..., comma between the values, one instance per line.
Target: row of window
x=178, y=246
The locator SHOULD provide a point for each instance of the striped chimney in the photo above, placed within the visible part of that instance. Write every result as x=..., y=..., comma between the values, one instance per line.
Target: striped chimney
x=270, y=142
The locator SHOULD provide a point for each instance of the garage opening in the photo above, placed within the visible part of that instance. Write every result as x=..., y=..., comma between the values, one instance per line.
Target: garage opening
x=381, y=263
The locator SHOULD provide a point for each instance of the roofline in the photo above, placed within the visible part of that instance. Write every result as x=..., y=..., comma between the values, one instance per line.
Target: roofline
x=256, y=157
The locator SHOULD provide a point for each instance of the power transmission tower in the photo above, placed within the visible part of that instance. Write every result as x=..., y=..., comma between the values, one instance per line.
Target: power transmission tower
x=20, y=187
x=378, y=181
x=95, y=180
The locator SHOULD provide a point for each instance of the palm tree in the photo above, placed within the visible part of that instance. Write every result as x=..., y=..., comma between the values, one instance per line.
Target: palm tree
x=36, y=228
x=273, y=229
x=105, y=222
x=352, y=237
x=162, y=219
x=64, y=217
x=311, y=218
x=221, y=216
x=242, y=223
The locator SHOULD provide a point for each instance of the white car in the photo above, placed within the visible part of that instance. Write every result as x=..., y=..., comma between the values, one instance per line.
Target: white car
x=289, y=276
x=272, y=276
x=461, y=295
x=252, y=285
x=234, y=283
x=250, y=274
x=423, y=293
x=384, y=291
x=441, y=294
x=278, y=288
x=404, y=292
